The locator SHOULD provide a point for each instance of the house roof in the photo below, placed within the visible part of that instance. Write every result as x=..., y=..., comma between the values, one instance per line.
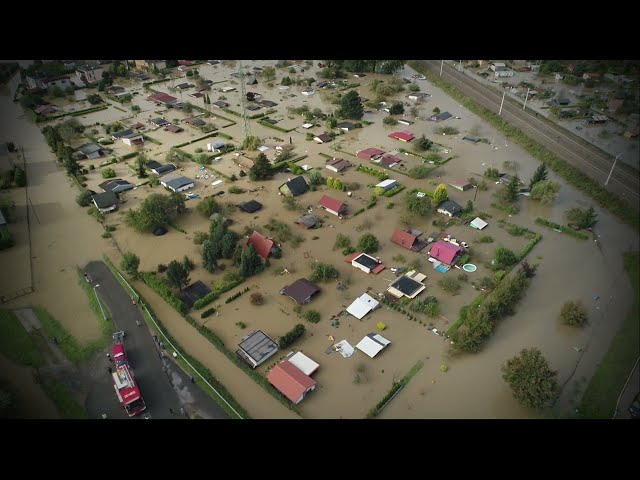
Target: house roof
x=301, y=290
x=137, y=125
x=407, y=286
x=297, y=186
x=386, y=183
x=362, y=305
x=372, y=344
x=348, y=125
x=339, y=164
x=290, y=381
x=368, y=153
x=366, y=261
x=89, y=148
x=198, y=122
x=450, y=206
x=614, y=104
x=403, y=238
x=262, y=244
x=122, y=133
x=303, y=363
x=258, y=346
x=170, y=167
x=115, y=184
x=331, y=203
x=268, y=103
x=308, y=220
x=459, y=183
x=441, y=116
x=405, y=136
x=174, y=128
x=250, y=206
x=220, y=104
x=323, y=138
x=162, y=98
x=390, y=160
x=159, y=122
x=478, y=223
x=178, y=182
x=105, y=200
x=153, y=164
x=444, y=251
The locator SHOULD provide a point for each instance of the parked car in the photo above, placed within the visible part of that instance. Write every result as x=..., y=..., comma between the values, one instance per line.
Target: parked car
x=634, y=409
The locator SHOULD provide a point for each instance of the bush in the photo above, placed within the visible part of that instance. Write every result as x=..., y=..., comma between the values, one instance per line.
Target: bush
x=200, y=237
x=256, y=298
x=19, y=177
x=162, y=289
x=291, y=336
x=108, y=173
x=368, y=243
x=342, y=241
x=503, y=258
x=574, y=313
x=208, y=312
x=84, y=199
x=389, y=120
x=485, y=239
x=450, y=285
x=419, y=172
x=323, y=272
x=312, y=316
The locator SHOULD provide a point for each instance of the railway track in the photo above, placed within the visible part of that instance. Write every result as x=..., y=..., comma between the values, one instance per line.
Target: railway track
x=624, y=181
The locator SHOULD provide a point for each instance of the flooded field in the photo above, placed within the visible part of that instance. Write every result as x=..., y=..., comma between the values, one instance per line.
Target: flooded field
x=568, y=268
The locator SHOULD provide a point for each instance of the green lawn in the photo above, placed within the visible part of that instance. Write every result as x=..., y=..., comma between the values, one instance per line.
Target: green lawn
x=67, y=406
x=599, y=400
x=16, y=343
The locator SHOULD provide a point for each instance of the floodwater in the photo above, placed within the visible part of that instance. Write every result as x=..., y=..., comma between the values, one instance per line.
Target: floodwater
x=29, y=400
x=348, y=387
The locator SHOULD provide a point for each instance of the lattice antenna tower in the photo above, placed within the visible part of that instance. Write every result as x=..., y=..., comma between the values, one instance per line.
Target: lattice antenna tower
x=243, y=99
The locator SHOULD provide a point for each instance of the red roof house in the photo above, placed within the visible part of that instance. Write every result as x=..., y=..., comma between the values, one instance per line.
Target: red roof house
x=162, y=98
x=263, y=245
x=390, y=161
x=404, y=136
x=369, y=153
x=408, y=240
x=444, y=251
x=332, y=205
x=290, y=381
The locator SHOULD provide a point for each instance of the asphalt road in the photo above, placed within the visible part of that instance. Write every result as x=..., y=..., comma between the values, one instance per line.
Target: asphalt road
x=162, y=383
x=624, y=181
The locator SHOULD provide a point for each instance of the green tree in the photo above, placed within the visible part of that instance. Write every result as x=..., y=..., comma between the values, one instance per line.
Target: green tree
x=331, y=122
x=286, y=81
x=545, y=191
x=539, y=175
x=350, y=106
x=228, y=244
x=208, y=207
x=337, y=184
x=210, y=255
x=423, y=143
x=396, y=109
x=84, y=199
x=251, y=142
x=503, y=258
x=323, y=272
x=188, y=263
x=583, y=218
x=418, y=205
x=436, y=110
x=177, y=275
x=532, y=381
x=440, y=195
x=177, y=201
x=368, y=243
x=330, y=182
x=108, y=172
x=69, y=129
x=250, y=262
x=130, y=263
x=573, y=313
x=157, y=209
x=268, y=73
x=511, y=190
x=261, y=169
x=316, y=178
x=141, y=163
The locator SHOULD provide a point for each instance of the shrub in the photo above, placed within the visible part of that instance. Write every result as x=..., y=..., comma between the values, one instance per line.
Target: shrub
x=485, y=239
x=291, y=336
x=208, y=312
x=450, y=285
x=323, y=272
x=419, y=172
x=312, y=316
x=108, y=173
x=256, y=298
x=368, y=243
x=84, y=199
x=503, y=258
x=342, y=241
x=574, y=313
x=200, y=237
x=162, y=289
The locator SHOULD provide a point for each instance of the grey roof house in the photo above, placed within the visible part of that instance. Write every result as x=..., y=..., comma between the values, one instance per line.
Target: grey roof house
x=256, y=348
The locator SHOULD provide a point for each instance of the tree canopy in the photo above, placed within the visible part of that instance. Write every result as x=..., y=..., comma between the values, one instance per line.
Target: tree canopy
x=178, y=274
x=261, y=169
x=532, y=381
x=351, y=106
x=545, y=191
x=368, y=243
x=440, y=194
x=539, y=175
x=583, y=218
x=157, y=209
x=417, y=205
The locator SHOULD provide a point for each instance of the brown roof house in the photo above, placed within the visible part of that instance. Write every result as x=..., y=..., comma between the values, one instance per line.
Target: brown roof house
x=290, y=381
x=408, y=239
x=300, y=291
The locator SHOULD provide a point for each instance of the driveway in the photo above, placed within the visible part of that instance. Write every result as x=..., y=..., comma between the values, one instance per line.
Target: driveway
x=163, y=384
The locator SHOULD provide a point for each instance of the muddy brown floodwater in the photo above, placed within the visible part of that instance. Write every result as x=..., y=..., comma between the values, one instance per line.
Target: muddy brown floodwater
x=568, y=268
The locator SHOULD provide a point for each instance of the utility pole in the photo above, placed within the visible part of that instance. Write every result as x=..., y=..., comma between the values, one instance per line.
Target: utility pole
x=525, y=100
x=441, y=66
x=502, y=102
x=243, y=101
x=612, y=167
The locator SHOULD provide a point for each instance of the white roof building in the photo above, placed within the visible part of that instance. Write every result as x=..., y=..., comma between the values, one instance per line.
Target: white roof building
x=362, y=305
x=372, y=344
x=304, y=363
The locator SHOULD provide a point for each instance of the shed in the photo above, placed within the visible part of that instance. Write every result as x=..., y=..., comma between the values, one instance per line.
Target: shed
x=290, y=381
x=478, y=223
x=404, y=136
x=408, y=239
x=440, y=117
x=303, y=363
x=369, y=153
x=364, y=262
x=294, y=187
x=337, y=165
x=449, y=208
x=445, y=252
x=323, y=138
x=461, y=185
x=178, y=184
x=105, y=202
x=309, y=221
x=362, y=305
x=300, y=291
x=256, y=348
x=387, y=184
x=372, y=344
x=250, y=206
x=332, y=205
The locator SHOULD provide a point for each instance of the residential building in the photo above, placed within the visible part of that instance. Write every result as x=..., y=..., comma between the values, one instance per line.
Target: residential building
x=91, y=73
x=178, y=184
x=301, y=291
x=256, y=348
x=290, y=381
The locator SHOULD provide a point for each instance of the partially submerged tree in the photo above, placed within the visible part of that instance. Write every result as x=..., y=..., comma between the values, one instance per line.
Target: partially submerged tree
x=261, y=169
x=351, y=106
x=539, y=175
x=545, y=191
x=532, y=381
x=583, y=218
x=368, y=243
x=573, y=313
x=178, y=275
x=418, y=205
x=130, y=263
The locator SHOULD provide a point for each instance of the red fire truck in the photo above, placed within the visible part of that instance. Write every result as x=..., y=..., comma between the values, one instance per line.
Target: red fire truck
x=124, y=382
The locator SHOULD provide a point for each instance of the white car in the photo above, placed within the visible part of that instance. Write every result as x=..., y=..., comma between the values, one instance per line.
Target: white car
x=422, y=77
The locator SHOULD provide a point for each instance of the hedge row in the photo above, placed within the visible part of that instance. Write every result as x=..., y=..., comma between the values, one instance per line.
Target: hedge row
x=215, y=294
x=208, y=135
x=291, y=336
x=394, y=191
x=277, y=167
x=562, y=228
x=511, y=209
x=379, y=174
x=275, y=127
x=161, y=288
